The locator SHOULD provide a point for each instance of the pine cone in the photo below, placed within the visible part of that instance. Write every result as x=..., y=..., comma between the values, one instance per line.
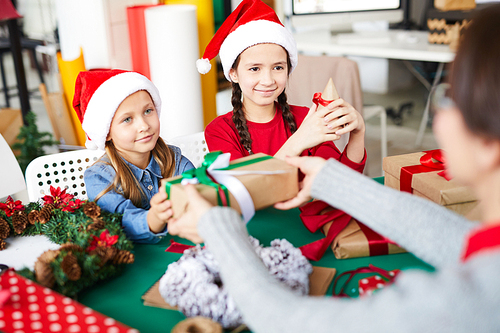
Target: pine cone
x=4, y=228
x=19, y=221
x=98, y=224
x=46, y=212
x=33, y=216
x=3, y=244
x=91, y=209
x=71, y=247
x=123, y=257
x=70, y=267
x=104, y=253
x=43, y=271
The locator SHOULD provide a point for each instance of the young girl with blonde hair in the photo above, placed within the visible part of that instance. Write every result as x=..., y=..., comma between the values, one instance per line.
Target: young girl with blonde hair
x=119, y=111
x=257, y=54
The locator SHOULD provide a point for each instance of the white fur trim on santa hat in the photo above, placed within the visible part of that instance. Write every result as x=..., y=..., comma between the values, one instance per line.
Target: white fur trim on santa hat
x=253, y=33
x=107, y=98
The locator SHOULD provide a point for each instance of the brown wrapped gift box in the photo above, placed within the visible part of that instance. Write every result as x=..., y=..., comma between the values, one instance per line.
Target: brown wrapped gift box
x=351, y=242
x=265, y=190
x=430, y=185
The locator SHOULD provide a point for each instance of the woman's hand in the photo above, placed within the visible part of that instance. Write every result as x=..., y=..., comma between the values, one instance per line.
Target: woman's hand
x=186, y=226
x=310, y=166
x=160, y=211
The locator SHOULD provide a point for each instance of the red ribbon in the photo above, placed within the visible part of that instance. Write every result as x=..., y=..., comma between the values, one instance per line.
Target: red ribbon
x=427, y=164
x=317, y=99
x=370, y=269
x=177, y=247
x=313, y=220
x=378, y=244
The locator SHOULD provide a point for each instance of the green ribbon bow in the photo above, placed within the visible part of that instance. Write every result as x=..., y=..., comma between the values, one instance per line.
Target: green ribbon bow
x=203, y=177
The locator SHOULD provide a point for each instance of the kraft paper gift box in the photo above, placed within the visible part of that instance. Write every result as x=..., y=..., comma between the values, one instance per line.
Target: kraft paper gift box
x=268, y=180
x=430, y=185
x=357, y=240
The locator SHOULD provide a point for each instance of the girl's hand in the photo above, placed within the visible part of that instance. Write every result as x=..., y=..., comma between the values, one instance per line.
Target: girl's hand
x=344, y=118
x=314, y=129
x=160, y=211
x=310, y=166
x=186, y=226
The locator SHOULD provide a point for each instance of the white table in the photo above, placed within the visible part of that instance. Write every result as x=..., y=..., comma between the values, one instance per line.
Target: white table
x=393, y=44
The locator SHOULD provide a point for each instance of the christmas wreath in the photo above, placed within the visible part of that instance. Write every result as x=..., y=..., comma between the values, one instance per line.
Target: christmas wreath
x=93, y=244
x=193, y=283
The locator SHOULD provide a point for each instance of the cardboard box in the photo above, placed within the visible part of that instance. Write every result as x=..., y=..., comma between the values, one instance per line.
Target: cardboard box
x=354, y=242
x=429, y=185
x=265, y=189
x=12, y=121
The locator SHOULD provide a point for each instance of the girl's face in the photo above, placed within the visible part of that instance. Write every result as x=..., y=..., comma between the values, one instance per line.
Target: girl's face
x=262, y=74
x=135, y=127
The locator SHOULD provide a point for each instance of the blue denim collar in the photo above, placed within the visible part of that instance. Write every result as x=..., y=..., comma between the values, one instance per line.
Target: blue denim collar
x=152, y=167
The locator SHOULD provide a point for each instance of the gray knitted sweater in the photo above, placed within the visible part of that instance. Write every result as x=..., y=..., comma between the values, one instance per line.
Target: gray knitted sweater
x=457, y=297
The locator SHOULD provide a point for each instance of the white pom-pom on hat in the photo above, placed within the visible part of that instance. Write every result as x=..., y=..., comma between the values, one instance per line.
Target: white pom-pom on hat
x=203, y=65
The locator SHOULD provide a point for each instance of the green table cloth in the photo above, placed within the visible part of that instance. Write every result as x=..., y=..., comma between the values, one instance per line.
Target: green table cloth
x=120, y=297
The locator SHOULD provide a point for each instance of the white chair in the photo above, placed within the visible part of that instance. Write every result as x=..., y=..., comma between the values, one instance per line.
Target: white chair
x=64, y=170
x=11, y=175
x=193, y=146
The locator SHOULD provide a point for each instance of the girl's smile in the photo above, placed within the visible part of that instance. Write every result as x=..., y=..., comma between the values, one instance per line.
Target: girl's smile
x=262, y=74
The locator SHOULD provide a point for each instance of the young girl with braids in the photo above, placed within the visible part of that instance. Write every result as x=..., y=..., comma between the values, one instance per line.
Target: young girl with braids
x=257, y=55
x=119, y=111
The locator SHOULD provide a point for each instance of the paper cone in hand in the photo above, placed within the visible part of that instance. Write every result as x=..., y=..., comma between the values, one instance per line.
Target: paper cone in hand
x=329, y=95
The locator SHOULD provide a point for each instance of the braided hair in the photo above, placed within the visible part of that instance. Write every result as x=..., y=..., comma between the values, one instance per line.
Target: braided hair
x=239, y=119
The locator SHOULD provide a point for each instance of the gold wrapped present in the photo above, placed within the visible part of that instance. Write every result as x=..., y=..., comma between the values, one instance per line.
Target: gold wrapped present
x=254, y=182
x=357, y=240
x=407, y=173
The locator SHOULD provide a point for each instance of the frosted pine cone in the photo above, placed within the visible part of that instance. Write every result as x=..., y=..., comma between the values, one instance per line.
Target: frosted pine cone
x=193, y=283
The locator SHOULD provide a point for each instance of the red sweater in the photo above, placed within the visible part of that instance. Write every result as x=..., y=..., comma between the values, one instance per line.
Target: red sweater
x=221, y=134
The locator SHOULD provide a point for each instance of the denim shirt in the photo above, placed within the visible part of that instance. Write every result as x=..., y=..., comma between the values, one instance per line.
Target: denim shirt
x=100, y=175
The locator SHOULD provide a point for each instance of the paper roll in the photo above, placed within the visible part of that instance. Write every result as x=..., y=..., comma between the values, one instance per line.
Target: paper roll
x=69, y=71
x=172, y=34
x=138, y=39
x=84, y=24
x=205, y=17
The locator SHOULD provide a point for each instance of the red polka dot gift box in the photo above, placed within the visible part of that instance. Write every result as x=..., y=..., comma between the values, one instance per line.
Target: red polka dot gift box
x=26, y=306
x=369, y=285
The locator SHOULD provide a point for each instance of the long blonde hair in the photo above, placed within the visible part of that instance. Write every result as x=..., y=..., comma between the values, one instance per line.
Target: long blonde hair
x=125, y=181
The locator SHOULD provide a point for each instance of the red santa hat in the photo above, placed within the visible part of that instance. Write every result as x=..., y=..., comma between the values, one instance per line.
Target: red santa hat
x=99, y=93
x=251, y=23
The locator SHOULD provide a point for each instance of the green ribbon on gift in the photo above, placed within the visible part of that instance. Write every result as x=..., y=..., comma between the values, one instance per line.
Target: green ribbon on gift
x=202, y=176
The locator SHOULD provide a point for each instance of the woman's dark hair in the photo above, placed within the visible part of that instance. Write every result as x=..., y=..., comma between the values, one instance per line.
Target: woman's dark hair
x=239, y=119
x=475, y=75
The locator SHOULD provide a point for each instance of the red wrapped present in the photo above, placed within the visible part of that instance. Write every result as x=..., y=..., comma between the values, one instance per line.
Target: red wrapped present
x=26, y=306
x=423, y=174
